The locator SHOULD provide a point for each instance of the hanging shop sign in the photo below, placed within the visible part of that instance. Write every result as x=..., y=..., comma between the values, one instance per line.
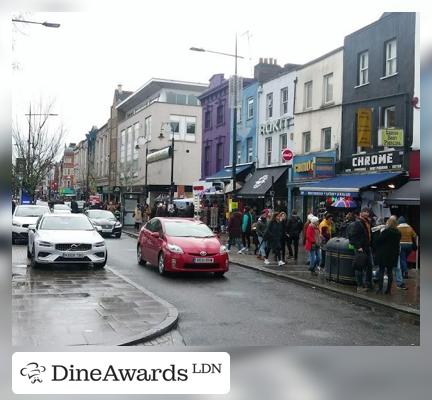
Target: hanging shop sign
x=278, y=125
x=377, y=161
x=364, y=127
x=391, y=137
x=159, y=155
x=318, y=165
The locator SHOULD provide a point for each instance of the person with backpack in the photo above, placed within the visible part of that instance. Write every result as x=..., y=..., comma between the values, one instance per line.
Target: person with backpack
x=294, y=228
x=246, y=229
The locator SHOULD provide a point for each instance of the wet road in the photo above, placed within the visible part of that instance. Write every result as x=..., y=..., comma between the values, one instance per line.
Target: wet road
x=250, y=308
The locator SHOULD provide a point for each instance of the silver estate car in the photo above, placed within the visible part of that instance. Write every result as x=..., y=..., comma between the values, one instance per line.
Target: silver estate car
x=66, y=239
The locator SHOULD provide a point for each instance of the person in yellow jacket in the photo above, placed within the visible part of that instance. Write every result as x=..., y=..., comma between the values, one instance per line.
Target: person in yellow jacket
x=325, y=228
x=408, y=237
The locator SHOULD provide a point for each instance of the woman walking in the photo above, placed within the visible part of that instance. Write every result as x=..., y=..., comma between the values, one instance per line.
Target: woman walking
x=272, y=236
x=137, y=216
x=387, y=253
x=261, y=228
x=313, y=244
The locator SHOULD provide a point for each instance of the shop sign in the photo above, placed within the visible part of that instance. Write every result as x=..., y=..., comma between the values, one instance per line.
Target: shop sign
x=391, y=137
x=364, y=127
x=260, y=181
x=159, y=155
x=116, y=189
x=319, y=165
x=377, y=161
x=329, y=194
x=278, y=125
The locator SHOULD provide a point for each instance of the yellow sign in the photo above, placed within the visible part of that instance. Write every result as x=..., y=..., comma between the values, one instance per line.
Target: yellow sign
x=304, y=166
x=364, y=127
x=392, y=137
x=232, y=205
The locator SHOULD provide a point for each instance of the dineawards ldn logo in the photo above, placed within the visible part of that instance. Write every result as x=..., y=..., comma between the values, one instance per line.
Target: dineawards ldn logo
x=33, y=371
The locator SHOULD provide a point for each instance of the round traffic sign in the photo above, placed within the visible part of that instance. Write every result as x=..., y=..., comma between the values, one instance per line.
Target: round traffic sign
x=287, y=154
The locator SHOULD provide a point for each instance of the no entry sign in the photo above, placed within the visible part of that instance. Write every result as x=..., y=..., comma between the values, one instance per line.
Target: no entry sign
x=287, y=155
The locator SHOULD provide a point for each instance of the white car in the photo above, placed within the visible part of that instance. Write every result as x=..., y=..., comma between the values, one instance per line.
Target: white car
x=66, y=239
x=61, y=209
x=23, y=216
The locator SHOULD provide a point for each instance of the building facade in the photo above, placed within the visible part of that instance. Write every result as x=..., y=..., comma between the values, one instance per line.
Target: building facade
x=67, y=172
x=102, y=161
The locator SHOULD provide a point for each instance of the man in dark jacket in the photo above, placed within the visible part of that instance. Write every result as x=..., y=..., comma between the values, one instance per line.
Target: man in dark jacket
x=235, y=230
x=74, y=207
x=359, y=236
x=294, y=227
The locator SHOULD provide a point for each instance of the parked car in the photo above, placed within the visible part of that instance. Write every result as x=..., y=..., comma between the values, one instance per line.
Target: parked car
x=181, y=245
x=23, y=216
x=65, y=239
x=106, y=220
x=61, y=209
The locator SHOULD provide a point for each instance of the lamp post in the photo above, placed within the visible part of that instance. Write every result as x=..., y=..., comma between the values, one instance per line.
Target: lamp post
x=234, y=132
x=46, y=24
x=137, y=147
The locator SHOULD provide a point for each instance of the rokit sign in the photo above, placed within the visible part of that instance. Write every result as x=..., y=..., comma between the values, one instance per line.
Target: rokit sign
x=377, y=161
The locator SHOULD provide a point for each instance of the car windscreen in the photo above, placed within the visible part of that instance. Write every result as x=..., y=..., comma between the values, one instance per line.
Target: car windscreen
x=65, y=223
x=187, y=229
x=23, y=211
x=100, y=214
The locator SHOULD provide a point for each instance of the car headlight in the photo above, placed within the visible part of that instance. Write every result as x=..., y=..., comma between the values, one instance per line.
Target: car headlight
x=42, y=243
x=15, y=224
x=99, y=244
x=223, y=249
x=173, y=248
x=118, y=225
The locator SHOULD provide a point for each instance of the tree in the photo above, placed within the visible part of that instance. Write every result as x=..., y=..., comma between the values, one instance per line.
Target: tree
x=129, y=177
x=39, y=145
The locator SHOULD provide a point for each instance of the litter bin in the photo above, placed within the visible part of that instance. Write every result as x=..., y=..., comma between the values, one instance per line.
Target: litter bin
x=339, y=261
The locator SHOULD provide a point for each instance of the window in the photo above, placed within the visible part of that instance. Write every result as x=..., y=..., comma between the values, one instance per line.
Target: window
x=268, y=149
x=220, y=114
x=363, y=68
x=207, y=119
x=122, y=145
x=135, y=142
x=183, y=127
x=283, y=144
x=307, y=95
x=147, y=128
x=389, y=117
x=129, y=140
x=239, y=113
x=219, y=156
x=391, y=57
x=326, y=139
x=269, y=105
x=250, y=108
x=306, y=142
x=249, y=147
x=284, y=101
x=190, y=125
x=238, y=149
x=207, y=160
x=328, y=88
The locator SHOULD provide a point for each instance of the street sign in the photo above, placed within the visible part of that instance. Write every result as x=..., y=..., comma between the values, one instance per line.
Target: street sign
x=287, y=155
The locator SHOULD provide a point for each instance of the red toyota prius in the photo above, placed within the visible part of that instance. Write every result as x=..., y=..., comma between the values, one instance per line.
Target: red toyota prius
x=180, y=245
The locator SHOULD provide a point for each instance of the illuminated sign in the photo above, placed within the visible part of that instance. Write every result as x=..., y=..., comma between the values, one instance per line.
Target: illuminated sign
x=306, y=166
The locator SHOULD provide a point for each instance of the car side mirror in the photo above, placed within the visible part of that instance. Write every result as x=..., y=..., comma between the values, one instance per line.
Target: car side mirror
x=98, y=228
x=32, y=227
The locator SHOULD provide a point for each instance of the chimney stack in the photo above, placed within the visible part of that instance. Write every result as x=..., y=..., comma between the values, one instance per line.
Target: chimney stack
x=266, y=69
x=119, y=88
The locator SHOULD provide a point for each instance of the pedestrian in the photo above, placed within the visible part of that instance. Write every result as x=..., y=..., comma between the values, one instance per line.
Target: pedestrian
x=313, y=244
x=74, y=207
x=146, y=213
x=261, y=227
x=294, y=228
x=408, y=244
x=246, y=229
x=387, y=253
x=283, y=238
x=344, y=226
x=308, y=221
x=325, y=228
x=137, y=216
x=273, y=238
x=13, y=205
x=235, y=230
x=359, y=236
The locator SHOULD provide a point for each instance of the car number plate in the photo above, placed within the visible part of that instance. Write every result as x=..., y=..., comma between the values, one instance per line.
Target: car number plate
x=73, y=255
x=106, y=230
x=203, y=260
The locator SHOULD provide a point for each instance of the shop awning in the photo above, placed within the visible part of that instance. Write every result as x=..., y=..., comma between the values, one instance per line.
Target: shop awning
x=408, y=194
x=346, y=185
x=226, y=173
x=261, y=182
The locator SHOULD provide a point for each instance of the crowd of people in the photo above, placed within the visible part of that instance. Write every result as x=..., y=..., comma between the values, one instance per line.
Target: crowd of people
x=373, y=241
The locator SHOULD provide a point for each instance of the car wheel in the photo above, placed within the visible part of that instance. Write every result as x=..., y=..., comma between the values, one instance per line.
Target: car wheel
x=161, y=264
x=33, y=263
x=102, y=264
x=118, y=235
x=139, y=255
x=219, y=274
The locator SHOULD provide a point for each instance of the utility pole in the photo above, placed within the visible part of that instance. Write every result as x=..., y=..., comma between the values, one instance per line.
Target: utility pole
x=172, y=169
x=234, y=157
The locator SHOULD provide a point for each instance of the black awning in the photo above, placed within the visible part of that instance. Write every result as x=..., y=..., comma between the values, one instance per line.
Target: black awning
x=408, y=194
x=261, y=182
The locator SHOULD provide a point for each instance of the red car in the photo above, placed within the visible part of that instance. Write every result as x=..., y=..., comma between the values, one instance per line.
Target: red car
x=181, y=244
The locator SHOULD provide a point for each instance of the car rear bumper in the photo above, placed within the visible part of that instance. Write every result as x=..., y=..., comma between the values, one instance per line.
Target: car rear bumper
x=185, y=263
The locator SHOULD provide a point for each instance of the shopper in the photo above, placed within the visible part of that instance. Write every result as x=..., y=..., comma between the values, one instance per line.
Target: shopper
x=293, y=228
x=261, y=227
x=387, y=253
x=325, y=228
x=246, y=229
x=349, y=218
x=308, y=221
x=283, y=238
x=272, y=236
x=312, y=244
x=235, y=230
x=137, y=216
x=359, y=236
x=408, y=244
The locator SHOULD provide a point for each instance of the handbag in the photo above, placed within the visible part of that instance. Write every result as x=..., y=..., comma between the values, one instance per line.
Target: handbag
x=414, y=244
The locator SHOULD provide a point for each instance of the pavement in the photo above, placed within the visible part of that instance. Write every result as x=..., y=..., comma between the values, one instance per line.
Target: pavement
x=406, y=302
x=79, y=306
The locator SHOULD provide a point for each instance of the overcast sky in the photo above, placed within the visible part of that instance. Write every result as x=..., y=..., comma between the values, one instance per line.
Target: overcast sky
x=80, y=64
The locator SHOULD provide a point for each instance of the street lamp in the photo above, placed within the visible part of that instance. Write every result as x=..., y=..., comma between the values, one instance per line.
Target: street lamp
x=234, y=133
x=46, y=24
x=137, y=147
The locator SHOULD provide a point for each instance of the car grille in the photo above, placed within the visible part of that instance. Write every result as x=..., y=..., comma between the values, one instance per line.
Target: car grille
x=199, y=255
x=106, y=226
x=25, y=225
x=78, y=246
x=72, y=260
